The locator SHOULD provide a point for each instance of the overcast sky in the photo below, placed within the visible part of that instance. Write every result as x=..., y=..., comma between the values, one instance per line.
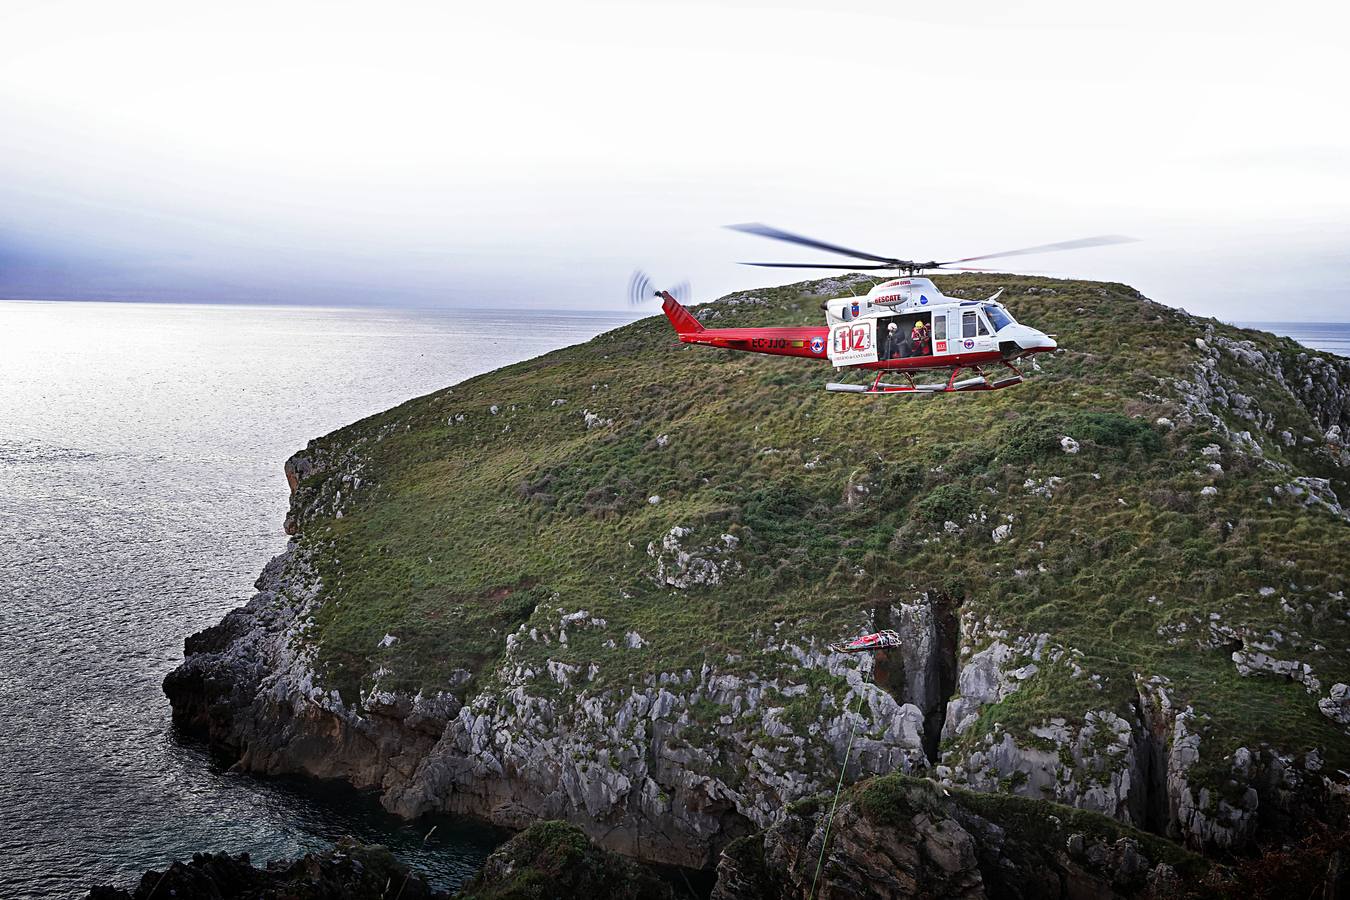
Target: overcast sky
x=500, y=154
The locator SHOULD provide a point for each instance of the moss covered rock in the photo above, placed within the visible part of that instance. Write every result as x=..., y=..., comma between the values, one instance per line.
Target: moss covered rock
x=556, y=861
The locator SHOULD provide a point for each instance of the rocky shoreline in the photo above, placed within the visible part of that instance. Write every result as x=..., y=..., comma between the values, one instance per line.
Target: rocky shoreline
x=653, y=793
x=348, y=871
x=893, y=836
x=549, y=859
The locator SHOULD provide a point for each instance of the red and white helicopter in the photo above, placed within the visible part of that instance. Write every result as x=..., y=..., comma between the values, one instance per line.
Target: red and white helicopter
x=902, y=326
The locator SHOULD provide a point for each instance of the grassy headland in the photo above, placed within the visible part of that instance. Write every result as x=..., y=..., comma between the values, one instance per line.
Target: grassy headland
x=450, y=521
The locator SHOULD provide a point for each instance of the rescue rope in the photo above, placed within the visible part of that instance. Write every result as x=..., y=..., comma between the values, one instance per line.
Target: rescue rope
x=829, y=820
x=416, y=856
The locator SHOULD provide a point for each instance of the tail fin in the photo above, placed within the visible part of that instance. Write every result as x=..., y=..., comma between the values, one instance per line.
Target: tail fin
x=681, y=318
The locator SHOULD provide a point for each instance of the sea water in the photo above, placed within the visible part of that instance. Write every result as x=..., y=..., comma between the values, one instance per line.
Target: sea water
x=1333, y=337
x=141, y=492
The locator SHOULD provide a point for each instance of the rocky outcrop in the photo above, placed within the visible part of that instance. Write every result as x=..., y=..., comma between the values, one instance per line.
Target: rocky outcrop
x=1318, y=384
x=1092, y=765
x=346, y=872
x=1135, y=768
x=555, y=860
x=247, y=685
x=673, y=771
x=1336, y=705
x=314, y=495
x=681, y=567
x=667, y=772
x=903, y=837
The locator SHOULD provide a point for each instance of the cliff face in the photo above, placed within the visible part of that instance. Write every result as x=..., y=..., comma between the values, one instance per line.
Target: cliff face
x=599, y=586
x=899, y=837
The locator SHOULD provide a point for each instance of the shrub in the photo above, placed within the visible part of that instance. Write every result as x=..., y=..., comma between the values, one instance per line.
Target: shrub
x=775, y=508
x=1038, y=436
x=953, y=501
x=1031, y=437
x=1112, y=430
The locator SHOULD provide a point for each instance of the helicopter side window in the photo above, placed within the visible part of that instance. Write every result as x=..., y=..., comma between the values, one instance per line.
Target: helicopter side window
x=939, y=328
x=979, y=324
x=968, y=324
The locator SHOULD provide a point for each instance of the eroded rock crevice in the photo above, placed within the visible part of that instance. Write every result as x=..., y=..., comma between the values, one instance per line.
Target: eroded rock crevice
x=1149, y=804
x=922, y=671
x=947, y=670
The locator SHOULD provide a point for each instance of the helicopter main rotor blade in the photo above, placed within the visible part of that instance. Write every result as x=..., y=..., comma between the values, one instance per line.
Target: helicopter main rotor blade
x=780, y=235
x=853, y=267
x=1102, y=240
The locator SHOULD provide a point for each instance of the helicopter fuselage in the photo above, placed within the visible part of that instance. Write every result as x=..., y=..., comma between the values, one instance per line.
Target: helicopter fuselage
x=902, y=324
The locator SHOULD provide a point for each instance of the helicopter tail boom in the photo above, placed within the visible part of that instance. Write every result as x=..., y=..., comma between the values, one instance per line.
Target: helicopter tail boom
x=792, y=341
x=681, y=318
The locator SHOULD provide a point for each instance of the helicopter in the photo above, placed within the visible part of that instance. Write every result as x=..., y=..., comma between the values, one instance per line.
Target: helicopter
x=902, y=326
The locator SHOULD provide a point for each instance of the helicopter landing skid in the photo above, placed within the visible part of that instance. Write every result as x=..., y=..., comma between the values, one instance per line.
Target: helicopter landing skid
x=981, y=382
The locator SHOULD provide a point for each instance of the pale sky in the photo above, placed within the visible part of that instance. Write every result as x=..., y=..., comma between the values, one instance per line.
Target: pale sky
x=533, y=154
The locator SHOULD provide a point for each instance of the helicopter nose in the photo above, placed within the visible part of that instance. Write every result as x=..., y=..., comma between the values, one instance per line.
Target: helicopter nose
x=1031, y=340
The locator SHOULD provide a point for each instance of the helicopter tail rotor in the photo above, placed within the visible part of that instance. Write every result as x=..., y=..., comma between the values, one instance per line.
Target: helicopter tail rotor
x=641, y=289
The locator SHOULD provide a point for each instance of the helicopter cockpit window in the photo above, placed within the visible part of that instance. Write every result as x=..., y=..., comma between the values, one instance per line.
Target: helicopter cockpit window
x=998, y=316
x=968, y=323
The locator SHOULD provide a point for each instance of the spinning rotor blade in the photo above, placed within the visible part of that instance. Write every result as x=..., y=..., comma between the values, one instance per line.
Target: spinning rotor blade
x=1098, y=241
x=1043, y=272
x=779, y=235
x=818, y=266
x=890, y=262
x=641, y=289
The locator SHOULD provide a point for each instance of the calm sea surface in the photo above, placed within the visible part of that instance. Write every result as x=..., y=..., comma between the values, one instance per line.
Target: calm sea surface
x=1333, y=337
x=141, y=492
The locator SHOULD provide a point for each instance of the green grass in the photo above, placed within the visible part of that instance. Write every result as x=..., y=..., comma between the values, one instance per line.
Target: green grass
x=462, y=531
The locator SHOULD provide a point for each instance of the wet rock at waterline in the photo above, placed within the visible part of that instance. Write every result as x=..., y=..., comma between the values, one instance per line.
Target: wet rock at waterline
x=347, y=872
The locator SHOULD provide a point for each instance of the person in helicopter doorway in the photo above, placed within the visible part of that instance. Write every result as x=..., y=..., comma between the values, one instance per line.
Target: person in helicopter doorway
x=919, y=338
x=894, y=342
